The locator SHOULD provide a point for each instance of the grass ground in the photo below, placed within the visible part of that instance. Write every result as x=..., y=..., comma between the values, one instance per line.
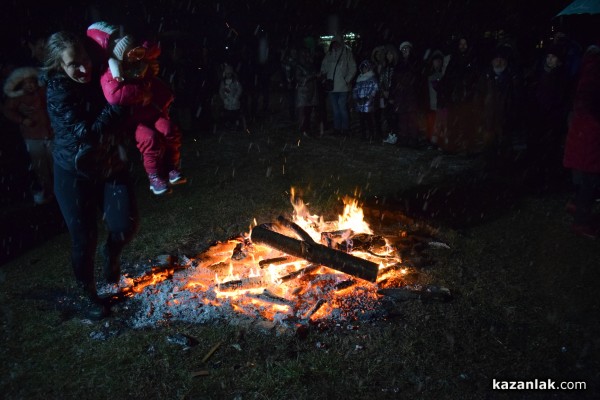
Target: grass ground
x=525, y=289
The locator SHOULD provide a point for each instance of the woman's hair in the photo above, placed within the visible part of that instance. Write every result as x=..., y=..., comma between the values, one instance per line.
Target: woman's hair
x=56, y=44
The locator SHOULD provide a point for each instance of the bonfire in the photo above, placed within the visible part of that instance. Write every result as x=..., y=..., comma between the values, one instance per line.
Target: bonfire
x=289, y=272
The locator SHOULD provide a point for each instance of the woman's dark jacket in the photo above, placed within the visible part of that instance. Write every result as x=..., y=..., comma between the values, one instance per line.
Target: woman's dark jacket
x=81, y=117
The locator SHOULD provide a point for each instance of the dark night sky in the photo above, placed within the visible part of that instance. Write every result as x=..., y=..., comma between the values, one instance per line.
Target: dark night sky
x=423, y=22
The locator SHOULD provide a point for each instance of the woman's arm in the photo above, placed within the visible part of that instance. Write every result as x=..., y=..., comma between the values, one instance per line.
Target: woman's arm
x=71, y=113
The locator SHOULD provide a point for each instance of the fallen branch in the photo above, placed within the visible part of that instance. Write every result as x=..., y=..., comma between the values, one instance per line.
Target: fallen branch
x=316, y=253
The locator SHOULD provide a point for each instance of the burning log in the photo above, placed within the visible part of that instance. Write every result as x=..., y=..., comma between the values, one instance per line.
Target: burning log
x=300, y=272
x=274, y=261
x=244, y=283
x=271, y=298
x=316, y=253
x=314, y=309
x=302, y=234
x=344, y=284
x=220, y=267
x=347, y=240
x=239, y=252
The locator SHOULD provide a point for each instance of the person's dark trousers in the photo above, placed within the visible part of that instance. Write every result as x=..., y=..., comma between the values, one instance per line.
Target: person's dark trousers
x=367, y=125
x=587, y=189
x=82, y=202
x=305, y=115
x=378, y=115
x=391, y=120
x=339, y=106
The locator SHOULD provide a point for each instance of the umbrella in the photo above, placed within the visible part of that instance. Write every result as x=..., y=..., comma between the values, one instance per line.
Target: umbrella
x=581, y=7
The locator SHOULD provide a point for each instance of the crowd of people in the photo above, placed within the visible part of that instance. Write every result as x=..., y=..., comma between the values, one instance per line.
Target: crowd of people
x=95, y=93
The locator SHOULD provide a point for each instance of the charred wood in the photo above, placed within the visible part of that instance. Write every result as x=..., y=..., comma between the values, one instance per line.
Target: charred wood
x=239, y=252
x=348, y=241
x=317, y=253
x=302, y=234
x=244, y=283
x=274, y=261
x=298, y=273
x=313, y=309
x=344, y=284
x=272, y=298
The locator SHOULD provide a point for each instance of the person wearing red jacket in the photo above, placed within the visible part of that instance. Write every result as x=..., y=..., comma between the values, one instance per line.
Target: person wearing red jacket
x=582, y=147
x=131, y=80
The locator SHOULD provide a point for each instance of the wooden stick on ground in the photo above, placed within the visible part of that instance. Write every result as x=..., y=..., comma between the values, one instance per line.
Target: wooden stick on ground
x=212, y=351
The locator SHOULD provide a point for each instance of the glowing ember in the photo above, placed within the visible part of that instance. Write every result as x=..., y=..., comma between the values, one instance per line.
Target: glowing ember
x=258, y=281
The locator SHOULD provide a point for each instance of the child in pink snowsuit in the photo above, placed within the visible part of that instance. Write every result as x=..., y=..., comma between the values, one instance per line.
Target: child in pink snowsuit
x=131, y=81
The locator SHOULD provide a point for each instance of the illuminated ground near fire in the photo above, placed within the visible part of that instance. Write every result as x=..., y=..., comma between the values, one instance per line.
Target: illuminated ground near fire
x=238, y=279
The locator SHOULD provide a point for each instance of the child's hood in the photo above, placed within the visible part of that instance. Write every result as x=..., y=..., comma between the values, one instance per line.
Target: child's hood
x=12, y=86
x=365, y=76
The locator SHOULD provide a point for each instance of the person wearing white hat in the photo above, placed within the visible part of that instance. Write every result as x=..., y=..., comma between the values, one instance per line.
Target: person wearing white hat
x=131, y=80
x=403, y=95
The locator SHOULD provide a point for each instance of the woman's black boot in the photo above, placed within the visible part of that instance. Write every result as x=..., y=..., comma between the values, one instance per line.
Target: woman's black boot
x=94, y=306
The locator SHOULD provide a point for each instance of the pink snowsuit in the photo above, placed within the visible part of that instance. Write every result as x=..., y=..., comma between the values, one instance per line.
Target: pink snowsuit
x=157, y=138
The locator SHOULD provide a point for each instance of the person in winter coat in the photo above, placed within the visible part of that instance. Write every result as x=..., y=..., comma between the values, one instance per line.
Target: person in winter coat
x=339, y=66
x=457, y=93
x=131, y=80
x=365, y=95
x=230, y=91
x=404, y=96
x=582, y=147
x=91, y=173
x=386, y=75
x=501, y=93
x=25, y=105
x=550, y=105
x=307, y=97
x=379, y=64
x=436, y=116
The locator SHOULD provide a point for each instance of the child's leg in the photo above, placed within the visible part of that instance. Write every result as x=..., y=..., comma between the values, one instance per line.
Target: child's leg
x=172, y=136
x=150, y=144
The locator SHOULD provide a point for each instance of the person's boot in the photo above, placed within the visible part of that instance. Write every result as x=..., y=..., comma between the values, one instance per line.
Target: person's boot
x=95, y=307
x=112, y=265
